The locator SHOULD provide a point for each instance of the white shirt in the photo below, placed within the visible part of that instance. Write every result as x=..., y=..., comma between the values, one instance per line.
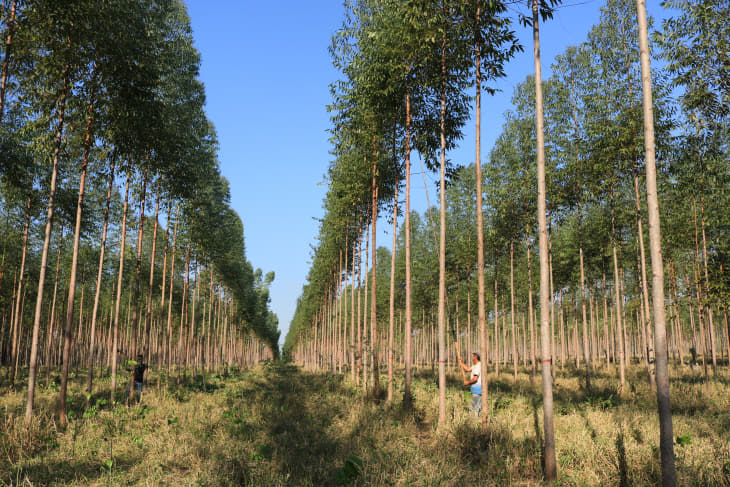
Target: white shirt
x=476, y=370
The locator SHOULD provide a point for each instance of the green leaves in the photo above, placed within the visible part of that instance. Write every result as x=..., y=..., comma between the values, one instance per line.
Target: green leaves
x=350, y=471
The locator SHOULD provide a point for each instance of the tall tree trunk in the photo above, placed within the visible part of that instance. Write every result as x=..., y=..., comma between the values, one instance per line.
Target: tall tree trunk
x=531, y=310
x=366, y=343
x=359, y=302
x=51, y=321
x=579, y=192
x=586, y=351
x=6, y=62
x=353, y=322
x=44, y=259
x=617, y=299
x=137, y=269
x=512, y=306
x=407, y=401
x=650, y=355
x=99, y=274
x=547, y=389
x=374, y=299
x=16, y=318
x=480, y=218
x=338, y=341
x=442, y=246
x=666, y=441
x=496, y=321
x=148, y=309
x=120, y=280
x=707, y=285
x=169, y=300
x=74, y=268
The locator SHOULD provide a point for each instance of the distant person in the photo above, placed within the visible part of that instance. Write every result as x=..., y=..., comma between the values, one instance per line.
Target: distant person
x=475, y=382
x=139, y=371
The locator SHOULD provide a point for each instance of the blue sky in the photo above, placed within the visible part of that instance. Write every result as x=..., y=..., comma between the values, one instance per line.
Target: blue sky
x=267, y=71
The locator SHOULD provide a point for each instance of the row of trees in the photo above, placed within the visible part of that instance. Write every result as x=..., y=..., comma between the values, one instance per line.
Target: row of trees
x=406, y=72
x=104, y=134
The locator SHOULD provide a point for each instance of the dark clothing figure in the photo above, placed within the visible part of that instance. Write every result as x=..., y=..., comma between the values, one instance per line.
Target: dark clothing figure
x=139, y=370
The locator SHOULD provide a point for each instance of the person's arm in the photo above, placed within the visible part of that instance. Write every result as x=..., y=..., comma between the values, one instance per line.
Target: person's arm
x=473, y=380
x=463, y=365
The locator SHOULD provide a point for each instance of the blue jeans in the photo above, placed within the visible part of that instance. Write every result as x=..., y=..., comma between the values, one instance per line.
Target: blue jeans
x=476, y=404
x=138, y=388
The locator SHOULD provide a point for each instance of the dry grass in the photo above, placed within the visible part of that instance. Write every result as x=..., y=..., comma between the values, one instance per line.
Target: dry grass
x=277, y=425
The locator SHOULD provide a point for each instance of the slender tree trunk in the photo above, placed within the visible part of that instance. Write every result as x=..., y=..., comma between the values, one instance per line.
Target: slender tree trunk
x=51, y=321
x=496, y=321
x=148, y=310
x=16, y=318
x=707, y=286
x=374, y=300
x=480, y=220
x=666, y=442
x=586, y=351
x=531, y=311
x=512, y=306
x=99, y=274
x=74, y=264
x=366, y=343
x=442, y=247
x=137, y=268
x=169, y=300
x=120, y=278
x=547, y=390
x=44, y=262
x=359, y=302
x=338, y=336
x=6, y=62
x=617, y=299
x=391, y=304
x=353, y=322
x=644, y=286
x=407, y=401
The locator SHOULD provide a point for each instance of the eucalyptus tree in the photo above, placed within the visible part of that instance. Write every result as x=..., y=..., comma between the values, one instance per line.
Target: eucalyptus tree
x=493, y=44
x=613, y=137
x=666, y=441
x=572, y=69
x=689, y=41
x=61, y=59
x=450, y=73
x=543, y=10
x=10, y=25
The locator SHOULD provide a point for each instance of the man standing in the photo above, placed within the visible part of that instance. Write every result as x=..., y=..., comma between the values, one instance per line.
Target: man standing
x=139, y=370
x=475, y=382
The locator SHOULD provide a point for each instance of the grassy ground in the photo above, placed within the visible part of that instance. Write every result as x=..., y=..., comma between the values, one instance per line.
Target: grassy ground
x=277, y=425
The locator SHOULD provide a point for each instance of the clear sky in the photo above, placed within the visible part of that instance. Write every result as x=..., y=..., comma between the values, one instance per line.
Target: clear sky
x=267, y=71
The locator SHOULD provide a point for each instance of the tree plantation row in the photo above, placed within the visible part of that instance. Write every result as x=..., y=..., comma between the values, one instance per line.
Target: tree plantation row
x=626, y=167
x=117, y=234
x=513, y=332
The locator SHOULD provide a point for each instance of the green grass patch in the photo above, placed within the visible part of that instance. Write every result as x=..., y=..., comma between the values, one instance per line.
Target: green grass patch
x=277, y=425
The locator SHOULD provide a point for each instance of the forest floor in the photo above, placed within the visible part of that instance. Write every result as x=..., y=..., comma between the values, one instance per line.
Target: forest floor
x=279, y=425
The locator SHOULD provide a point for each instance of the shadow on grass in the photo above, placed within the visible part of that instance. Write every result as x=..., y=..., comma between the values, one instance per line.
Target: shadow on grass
x=63, y=472
x=291, y=435
x=498, y=455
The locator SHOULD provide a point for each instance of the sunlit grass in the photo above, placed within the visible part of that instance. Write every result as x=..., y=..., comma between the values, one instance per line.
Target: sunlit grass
x=277, y=425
